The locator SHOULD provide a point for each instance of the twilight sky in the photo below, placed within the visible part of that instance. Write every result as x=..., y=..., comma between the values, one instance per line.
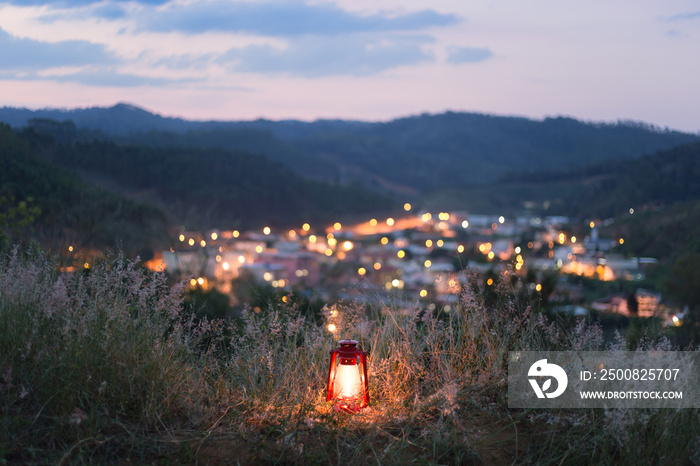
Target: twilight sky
x=598, y=60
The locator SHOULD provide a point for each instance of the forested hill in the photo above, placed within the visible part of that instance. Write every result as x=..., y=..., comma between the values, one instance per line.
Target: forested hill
x=415, y=154
x=40, y=200
x=137, y=194
x=602, y=190
x=217, y=188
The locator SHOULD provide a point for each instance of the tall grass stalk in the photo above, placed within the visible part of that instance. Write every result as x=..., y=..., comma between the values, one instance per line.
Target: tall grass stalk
x=86, y=356
x=107, y=363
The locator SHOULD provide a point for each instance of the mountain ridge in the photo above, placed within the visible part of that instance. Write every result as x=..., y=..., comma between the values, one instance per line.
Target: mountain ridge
x=415, y=154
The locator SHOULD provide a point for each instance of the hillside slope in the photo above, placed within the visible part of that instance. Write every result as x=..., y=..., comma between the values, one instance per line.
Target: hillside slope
x=66, y=209
x=415, y=154
x=216, y=188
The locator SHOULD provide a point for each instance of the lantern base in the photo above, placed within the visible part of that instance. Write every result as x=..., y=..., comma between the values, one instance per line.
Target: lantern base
x=348, y=405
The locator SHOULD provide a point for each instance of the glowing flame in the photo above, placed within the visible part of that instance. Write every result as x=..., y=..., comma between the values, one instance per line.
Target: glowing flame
x=348, y=383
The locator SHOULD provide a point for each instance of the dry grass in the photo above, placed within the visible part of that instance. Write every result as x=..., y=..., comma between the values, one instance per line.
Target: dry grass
x=107, y=364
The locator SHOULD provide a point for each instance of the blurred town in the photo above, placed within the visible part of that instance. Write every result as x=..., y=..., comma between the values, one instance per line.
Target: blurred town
x=419, y=257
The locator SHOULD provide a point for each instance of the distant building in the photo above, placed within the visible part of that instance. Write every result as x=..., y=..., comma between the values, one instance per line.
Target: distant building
x=300, y=268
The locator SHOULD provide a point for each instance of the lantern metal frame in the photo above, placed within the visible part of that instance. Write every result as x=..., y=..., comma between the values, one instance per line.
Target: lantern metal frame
x=347, y=353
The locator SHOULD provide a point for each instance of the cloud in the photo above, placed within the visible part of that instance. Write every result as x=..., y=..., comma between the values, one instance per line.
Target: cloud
x=685, y=16
x=321, y=39
x=78, y=3
x=313, y=57
x=96, y=78
x=458, y=55
x=30, y=55
x=28, y=60
x=110, y=78
x=110, y=11
x=282, y=18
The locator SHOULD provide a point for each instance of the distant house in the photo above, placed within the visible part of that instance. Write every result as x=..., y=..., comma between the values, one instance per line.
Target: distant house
x=647, y=304
x=299, y=268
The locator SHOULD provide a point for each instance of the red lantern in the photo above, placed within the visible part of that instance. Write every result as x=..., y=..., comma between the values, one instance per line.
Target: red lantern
x=347, y=377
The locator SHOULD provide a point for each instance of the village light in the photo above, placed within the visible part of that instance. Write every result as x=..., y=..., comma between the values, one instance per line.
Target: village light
x=347, y=377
